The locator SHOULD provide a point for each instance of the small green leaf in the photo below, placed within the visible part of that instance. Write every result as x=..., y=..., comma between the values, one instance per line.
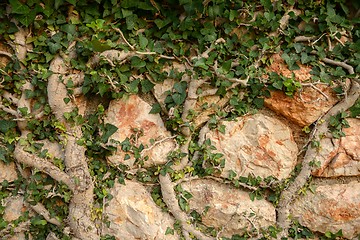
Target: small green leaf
x=66, y=100
x=109, y=130
x=143, y=41
x=18, y=7
x=155, y=108
x=6, y=125
x=232, y=15
x=146, y=86
x=103, y=88
x=54, y=47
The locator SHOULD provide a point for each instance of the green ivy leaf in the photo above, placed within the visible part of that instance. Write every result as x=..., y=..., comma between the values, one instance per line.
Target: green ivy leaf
x=28, y=18
x=178, y=98
x=156, y=108
x=6, y=125
x=103, y=88
x=109, y=130
x=18, y=7
x=169, y=231
x=146, y=86
x=54, y=47
x=143, y=41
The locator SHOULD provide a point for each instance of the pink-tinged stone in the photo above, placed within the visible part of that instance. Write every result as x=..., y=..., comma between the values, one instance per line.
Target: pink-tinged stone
x=134, y=215
x=344, y=157
x=132, y=118
x=330, y=208
x=304, y=107
x=256, y=144
x=227, y=208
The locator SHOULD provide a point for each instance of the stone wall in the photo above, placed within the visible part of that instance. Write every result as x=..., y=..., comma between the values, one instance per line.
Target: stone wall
x=267, y=143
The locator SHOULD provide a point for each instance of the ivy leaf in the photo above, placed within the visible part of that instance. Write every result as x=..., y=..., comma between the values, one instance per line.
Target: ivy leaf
x=201, y=63
x=143, y=41
x=109, y=130
x=54, y=47
x=180, y=87
x=146, y=86
x=137, y=62
x=18, y=7
x=178, y=98
x=28, y=18
x=68, y=28
x=169, y=231
x=98, y=46
x=156, y=108
x=6, y=125
x=103, y=88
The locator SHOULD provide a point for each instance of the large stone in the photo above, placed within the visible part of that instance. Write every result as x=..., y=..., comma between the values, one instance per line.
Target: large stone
x=131, y=116
x=227, y=208
x=7, y=172
x=331, y=208
x=15, y=207
x=133, y=214
x=304, y=107
x=344, y=157
x=256, y=144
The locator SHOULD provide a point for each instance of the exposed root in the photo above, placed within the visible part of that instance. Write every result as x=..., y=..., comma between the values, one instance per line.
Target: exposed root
x=41, y=164
x=312, y=154
x=168, y=193
x=41, y=210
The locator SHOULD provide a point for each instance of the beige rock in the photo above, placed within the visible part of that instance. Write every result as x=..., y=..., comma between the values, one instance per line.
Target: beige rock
x=331, y=208
x=229, y=209
x=344, y=159
x=7, y=172
x=303, y=108
x=256, y=144
x=131, y=115
x=14, y=208
x=160, y=89
x=133, y=214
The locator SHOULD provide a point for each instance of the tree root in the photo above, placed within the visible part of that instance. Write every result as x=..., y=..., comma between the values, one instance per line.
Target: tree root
x=169, y=198
x=289, y=195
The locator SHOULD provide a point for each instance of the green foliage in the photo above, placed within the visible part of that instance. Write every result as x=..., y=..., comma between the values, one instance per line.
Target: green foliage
x=243, y=35
x=336, y=124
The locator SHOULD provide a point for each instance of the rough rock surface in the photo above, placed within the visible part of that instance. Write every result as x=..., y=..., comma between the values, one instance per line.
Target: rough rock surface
x=331, y=208
x=256, y=144
x=229, y=209
x=15, y=208
x=304, y=107
x=344, y=159
x=131, y=115
x=7, y=172
x=134, y=215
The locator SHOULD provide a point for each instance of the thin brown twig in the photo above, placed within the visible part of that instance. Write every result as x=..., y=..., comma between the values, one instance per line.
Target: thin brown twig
x=123, y=37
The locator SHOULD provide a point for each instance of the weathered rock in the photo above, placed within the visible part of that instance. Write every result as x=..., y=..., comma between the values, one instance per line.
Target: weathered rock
x=131, y=115
x=304, y=107
x=7, y=172
x=133, y=214
x=160, y=89
x=331, y=208
x=14, y=208
x=256, y=144
x=344, y=159
x=229, y=209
